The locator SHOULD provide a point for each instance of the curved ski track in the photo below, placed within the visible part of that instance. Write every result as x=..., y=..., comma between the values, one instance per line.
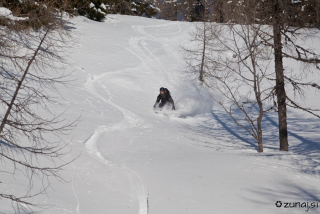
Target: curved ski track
x=130, y=120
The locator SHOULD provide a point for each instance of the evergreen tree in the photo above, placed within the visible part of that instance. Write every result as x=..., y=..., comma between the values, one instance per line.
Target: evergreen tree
x=132, y=7
x=93, y=9
x=143, y=8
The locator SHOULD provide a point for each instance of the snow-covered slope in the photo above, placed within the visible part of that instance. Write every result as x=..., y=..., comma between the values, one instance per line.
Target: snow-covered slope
x=190, y=161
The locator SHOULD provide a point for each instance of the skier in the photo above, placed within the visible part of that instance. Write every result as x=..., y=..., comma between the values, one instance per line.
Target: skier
x=163, y=97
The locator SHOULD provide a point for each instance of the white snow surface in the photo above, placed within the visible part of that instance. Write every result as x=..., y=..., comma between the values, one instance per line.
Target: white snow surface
x=194, y=160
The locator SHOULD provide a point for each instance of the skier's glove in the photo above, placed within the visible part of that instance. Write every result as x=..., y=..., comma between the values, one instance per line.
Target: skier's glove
x=173, y=108
x=154, y=106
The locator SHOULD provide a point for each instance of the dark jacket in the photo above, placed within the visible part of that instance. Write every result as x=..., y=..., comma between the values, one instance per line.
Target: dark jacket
x=163, y=98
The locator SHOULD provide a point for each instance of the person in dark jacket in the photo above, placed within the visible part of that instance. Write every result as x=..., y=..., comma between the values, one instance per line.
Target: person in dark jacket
x=163, y=97
x=199, y=11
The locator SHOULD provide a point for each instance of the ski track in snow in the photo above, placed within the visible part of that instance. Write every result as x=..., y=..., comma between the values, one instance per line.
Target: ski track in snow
x=138, y=47
x=129, y=120
x=75, y=194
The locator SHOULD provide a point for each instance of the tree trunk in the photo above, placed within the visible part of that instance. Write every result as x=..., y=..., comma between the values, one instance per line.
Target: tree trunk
x=257, y=91
x=259, y=101
x=280, y=90
x=176, y=11
x=221, y=18
x=203, y=52
x=318, y=14
x=260, y=145
x=13, y=99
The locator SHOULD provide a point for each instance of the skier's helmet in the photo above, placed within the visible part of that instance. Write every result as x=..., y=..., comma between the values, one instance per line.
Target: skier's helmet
x=161, y=89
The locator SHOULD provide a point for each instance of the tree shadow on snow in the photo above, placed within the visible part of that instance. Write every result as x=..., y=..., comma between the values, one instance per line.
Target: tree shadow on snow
x=304, y=142
x=285, y=191
x=6, y=144
x=236, y=131
x=304, y=138
x=218, y=131
x=298, y=128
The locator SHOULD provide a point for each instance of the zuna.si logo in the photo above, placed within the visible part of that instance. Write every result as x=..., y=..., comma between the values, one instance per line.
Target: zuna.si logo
x=306, y=205
x=278, y=204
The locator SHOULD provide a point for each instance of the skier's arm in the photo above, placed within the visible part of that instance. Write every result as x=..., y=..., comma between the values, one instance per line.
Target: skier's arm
x=157, y=101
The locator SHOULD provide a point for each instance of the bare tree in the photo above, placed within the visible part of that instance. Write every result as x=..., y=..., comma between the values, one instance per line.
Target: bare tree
x=230, y=59
x=196, y=55
x=169, y=10
x=187, y=9
x=289, y=21
x=290, y=24
x=288, y=32
x=30, y=53
x=219, y=11
x=240, y=66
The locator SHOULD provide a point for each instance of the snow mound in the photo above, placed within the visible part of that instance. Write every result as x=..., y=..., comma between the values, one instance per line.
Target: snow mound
x=6, y=13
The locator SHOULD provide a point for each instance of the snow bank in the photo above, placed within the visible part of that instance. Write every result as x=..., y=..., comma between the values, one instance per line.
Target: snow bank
x=7, y=14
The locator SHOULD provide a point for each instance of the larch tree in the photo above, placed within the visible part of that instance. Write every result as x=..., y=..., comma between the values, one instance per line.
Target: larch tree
x=33, y=37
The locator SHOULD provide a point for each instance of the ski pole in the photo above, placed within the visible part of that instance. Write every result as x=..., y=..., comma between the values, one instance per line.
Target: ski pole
x=182, y=115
